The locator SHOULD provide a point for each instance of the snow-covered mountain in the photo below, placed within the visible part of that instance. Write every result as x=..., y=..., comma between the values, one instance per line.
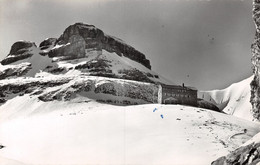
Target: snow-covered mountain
x=64, y=102
x=83, y=61
x=81, y=50
x=233, y=100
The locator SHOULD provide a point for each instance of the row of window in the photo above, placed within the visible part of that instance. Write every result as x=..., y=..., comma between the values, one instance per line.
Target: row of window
x=179, y=90
x=177, y=95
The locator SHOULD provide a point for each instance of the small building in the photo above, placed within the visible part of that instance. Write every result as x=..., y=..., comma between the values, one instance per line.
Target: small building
x=176, y=94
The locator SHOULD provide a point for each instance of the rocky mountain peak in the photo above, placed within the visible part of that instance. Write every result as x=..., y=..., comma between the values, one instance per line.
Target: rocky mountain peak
x=20, y=50
x=19, y=46
x=82, y=49
x=79, y=29
x=83, y=36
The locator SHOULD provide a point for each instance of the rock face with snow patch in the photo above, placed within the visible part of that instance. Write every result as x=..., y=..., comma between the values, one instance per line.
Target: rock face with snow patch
x=108, y=90
x=96, y=39
x=73, y=49
x=246, y=155
x=47, y=43
x=255, y=84
x=16, y=71
x=19, y=51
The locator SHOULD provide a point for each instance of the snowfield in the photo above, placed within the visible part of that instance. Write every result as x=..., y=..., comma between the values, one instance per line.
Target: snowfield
x=233, y=100
x=83, y=131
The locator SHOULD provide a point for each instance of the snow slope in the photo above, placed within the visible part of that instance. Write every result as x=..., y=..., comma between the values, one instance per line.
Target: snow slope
x=233, y=100
x=108, y=64
x=66, y=88
x=116, y=64
x=5, y=161
x=86, y=132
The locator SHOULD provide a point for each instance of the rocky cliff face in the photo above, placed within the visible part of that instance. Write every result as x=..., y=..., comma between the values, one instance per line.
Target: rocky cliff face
x=72, y=45
x=73, y=49
x=255, y=84
x=78, y=37
x=247, y=155
x=47, y=43
x=64, y=88
x=19, y=51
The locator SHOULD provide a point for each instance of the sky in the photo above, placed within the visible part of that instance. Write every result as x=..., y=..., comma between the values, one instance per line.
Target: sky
x=202, y=43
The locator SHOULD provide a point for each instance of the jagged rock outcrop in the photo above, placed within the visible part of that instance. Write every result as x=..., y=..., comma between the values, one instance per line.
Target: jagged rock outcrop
x=20, y=50
x=255, y=84
x=73, y=49
x=47, y=43
x=245, y=155
x=16, y=71
x=90, y=37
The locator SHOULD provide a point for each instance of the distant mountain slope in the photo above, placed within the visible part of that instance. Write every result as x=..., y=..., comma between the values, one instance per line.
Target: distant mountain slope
x=233, y=100
x=81, y=50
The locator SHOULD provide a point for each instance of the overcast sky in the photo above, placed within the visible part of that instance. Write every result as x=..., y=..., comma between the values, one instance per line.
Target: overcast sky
x=205, y=44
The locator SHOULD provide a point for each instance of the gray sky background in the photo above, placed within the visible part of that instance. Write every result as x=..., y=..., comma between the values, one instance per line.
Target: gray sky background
x=207, y=40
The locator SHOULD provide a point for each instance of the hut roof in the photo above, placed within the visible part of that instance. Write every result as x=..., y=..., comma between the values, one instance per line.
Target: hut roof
x=179, y=87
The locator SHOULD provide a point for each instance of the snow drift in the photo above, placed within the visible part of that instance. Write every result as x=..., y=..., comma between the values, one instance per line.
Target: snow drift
x=233, y=100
